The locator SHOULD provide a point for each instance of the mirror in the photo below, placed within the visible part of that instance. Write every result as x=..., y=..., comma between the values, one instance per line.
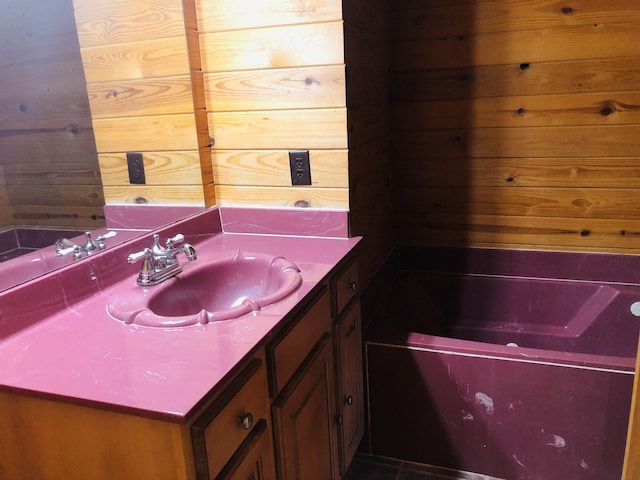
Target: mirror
x=50, y=185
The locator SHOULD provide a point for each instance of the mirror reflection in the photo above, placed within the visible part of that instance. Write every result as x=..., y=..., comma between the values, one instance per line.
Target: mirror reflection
x=50, y=183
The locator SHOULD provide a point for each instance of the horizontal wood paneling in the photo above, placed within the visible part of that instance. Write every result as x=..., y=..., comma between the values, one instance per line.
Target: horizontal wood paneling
x=280, y=129
x=108, y=23
x=271, y=168
x=434, y=19
x=160, y=168
x=249, y=14
x=615, y=108
x=47, y=215
x=145, y=85
x=515, y=232
x=61, y=174
x=319, y=198
x=540, y=201
x=571, y=172
x=4, y=194
x=286, y=88
x=154, y=133
x=516, y=123
x=274, y=81
x=158, y=96
x=155, y=194
x=78, y=151
x=146, y=59
x=273, y=47
x=521, y=78
x=557, y=141
x=47, y=145
x=61, y=195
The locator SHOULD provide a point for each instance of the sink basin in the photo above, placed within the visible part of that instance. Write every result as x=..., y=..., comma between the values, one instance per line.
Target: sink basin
x=223, y=289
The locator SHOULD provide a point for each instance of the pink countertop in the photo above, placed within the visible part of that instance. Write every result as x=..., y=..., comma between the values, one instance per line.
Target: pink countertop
x=82, y=354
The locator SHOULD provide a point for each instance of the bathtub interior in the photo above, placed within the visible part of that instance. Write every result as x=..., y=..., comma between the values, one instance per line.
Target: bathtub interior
x=16, y=242
x=550, y=314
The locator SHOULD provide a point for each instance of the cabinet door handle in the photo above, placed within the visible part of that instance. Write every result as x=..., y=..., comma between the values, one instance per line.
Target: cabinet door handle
x=352, y=285
x=348, y=400
x=246, y=421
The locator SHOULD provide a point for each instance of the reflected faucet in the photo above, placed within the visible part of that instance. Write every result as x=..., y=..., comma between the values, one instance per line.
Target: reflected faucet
x=161, y=263
x=64, y=246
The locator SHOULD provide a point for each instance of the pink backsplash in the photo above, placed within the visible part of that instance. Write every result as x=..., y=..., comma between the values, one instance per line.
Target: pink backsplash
x=305, y=222
x=146, y=216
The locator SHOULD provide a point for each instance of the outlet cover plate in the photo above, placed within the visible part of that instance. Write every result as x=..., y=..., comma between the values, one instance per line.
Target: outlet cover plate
x=300, y=167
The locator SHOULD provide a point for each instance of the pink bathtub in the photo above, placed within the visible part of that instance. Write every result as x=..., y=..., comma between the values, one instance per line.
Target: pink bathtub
x=504, y=375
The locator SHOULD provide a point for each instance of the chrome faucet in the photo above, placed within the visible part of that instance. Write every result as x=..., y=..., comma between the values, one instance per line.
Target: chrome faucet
x=160, y=263
x=64, y=246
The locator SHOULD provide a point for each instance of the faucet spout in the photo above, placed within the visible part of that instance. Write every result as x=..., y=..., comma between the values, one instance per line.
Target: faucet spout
x=189, y=252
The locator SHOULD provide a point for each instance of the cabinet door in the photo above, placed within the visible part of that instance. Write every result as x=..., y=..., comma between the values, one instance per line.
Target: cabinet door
x=254, y=458
x=304, y=420
x=350, y=398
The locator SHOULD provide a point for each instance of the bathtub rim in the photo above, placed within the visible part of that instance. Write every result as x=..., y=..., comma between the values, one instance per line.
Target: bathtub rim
x=454, y=346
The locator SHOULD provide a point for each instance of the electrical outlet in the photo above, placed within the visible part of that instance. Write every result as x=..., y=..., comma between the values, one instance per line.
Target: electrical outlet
x=135, y=164
x=300, y=167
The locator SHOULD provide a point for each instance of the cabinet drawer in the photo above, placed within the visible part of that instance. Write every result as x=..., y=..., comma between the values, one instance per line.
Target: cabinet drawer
x=345, y=287
x=288, y=353
x=224, y=426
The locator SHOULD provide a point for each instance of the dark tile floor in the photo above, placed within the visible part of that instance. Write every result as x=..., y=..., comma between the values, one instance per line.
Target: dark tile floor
x=374, y=468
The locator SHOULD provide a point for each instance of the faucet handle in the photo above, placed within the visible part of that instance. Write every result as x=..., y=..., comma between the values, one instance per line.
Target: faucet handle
x=61, y=252
x=63, y=246
x=100, y=239
x=173, y=241
x=134, y=257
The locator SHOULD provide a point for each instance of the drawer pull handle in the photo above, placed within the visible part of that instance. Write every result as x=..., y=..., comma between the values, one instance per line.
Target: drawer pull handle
x=352, y=285
x=348, y=400
x=246, y=421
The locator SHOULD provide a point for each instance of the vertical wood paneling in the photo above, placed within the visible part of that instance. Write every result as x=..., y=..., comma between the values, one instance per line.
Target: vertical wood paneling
x=142, y=71
x=516, y=124
x=46, y=136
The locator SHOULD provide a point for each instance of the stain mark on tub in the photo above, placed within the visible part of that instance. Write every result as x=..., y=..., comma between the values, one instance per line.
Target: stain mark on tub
x=555, y=441
x=513, y=405
x=518, y=461
x=485, y=401
x=467, y=417
x=584, y=465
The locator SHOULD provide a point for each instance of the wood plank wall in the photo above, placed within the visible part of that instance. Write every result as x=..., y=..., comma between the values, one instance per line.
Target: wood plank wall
x=274, y=81
x=517, y=124
x=5, y=205
x=47, y=148
x=141, y=65
x=367, y=56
